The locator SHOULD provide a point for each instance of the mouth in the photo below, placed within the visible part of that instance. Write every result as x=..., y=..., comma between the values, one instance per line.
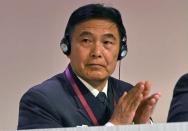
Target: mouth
x=96, y=65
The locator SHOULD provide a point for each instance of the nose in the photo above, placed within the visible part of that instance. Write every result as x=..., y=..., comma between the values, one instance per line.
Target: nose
x=96, y=51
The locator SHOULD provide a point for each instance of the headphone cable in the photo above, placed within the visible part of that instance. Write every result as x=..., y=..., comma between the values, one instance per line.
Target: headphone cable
x=119, y=69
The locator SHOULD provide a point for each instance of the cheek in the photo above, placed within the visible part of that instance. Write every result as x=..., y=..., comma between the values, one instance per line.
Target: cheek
x=111, y=59
x=112, y=55
x=78, y=55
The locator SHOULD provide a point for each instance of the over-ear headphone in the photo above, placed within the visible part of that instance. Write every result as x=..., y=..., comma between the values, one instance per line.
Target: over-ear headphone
x=123, y=48
x=66, y=46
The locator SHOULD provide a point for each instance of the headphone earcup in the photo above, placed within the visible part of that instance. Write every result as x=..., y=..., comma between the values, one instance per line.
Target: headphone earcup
x=65, y=46
x=123, y=50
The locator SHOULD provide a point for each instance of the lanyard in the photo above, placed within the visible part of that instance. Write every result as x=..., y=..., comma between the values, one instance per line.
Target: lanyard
x=81, y=97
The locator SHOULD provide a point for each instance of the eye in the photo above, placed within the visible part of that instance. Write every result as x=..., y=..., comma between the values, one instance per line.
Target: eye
x=108, y=42
x=86, y=41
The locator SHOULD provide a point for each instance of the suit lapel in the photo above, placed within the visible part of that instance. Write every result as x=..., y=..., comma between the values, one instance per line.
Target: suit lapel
x=80, y=109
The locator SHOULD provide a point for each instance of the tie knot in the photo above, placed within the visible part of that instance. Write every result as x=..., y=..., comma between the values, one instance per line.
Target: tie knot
x=102, y=97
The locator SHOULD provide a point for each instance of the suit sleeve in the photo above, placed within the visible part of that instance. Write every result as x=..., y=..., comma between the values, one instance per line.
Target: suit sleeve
x=36, y=111
x=178, y=111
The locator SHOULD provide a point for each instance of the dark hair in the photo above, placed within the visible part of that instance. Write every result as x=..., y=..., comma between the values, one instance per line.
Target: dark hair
x=94, y=11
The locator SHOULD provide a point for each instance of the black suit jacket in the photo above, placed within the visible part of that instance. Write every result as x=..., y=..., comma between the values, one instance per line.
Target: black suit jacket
x=54, y=104
x=178, y=111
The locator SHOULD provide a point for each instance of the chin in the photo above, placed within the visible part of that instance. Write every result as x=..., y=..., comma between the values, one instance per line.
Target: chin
x=97, y=76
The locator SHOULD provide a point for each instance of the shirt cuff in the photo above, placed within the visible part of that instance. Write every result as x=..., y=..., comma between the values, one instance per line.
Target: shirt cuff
x=150, y=121
x=109, y=124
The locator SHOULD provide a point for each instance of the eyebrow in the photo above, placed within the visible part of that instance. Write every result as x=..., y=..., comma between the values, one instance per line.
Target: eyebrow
x=86, y=33
x=109, y=35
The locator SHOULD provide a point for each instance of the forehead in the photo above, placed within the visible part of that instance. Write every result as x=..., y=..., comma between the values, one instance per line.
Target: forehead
x=97, y=26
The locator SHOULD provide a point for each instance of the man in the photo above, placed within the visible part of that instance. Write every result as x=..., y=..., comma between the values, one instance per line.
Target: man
x=179, y=106
x=86, y=94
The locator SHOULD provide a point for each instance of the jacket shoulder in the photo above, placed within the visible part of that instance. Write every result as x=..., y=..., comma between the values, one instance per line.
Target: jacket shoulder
x=182, y=85
x=120, y=86
x=40, y=106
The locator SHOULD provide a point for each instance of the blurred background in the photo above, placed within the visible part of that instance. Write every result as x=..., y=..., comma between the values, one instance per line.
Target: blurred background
x=30, y=32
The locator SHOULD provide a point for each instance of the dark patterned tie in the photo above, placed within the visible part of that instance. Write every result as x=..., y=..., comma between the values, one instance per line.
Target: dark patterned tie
x=103, y=108
x=102, y=98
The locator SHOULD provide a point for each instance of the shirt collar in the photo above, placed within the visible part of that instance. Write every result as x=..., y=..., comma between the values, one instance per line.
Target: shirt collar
x=94, y=91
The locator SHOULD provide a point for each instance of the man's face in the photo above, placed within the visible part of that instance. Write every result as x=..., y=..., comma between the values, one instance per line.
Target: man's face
x=94, y=49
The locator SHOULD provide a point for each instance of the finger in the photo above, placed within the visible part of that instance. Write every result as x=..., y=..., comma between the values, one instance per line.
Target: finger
x=131, y=102
x=144, y=113
x=156, y=96
x=140, y=84
x=146, y=108
x=136, y=102
x=137, y=89
x=147, y=89
x=151, y=106
x=133, y=98
x=150, y=102
x=122, y=97
x=153, y=99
